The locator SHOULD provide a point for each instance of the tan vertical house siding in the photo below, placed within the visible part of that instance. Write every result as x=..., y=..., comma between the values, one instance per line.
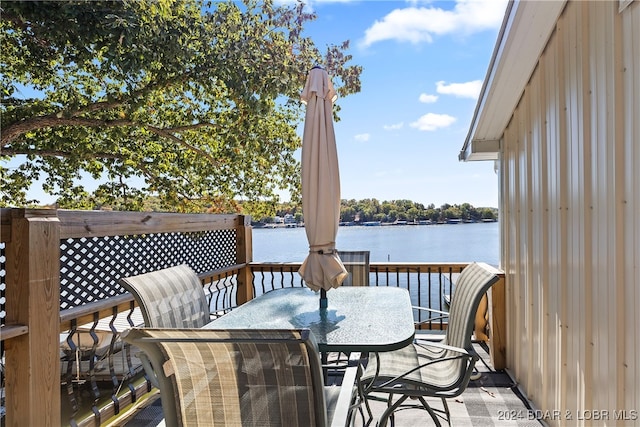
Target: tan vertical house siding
x=570, y=218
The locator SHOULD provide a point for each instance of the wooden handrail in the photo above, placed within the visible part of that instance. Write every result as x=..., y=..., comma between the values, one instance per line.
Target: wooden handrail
x=12, y=331
x=86, y=313
x=290, y=266
x=75, y=224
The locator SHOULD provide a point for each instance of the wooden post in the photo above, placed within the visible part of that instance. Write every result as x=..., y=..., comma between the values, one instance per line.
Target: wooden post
x=498, y=324
x=244, y=247
x=482, y=318
x=33, y=299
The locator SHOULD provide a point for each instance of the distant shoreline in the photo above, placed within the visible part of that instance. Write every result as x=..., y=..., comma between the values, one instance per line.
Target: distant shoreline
x=378, y=223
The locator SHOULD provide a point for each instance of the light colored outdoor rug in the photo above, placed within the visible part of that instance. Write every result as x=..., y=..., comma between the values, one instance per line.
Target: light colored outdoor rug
x=491, y=401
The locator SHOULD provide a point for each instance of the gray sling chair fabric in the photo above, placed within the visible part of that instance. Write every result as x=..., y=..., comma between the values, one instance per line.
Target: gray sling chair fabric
x=168, y=298
x=433, y=369
x=357, y=265
x=244, y=377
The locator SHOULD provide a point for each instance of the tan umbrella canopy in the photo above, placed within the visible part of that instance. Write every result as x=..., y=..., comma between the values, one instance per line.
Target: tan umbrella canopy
x=322, y=269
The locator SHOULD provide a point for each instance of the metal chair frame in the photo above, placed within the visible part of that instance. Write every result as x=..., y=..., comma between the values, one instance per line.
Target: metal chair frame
x=433, y=369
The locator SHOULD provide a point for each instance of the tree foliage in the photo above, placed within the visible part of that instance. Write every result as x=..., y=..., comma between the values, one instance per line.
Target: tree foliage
x=405, y=210
x=193, y=103
x=360, y=211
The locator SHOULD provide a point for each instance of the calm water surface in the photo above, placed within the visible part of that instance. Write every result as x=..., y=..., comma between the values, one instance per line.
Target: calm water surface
x=407, y=243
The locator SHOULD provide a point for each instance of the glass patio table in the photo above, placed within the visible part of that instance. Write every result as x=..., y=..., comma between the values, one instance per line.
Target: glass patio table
x=356, y=319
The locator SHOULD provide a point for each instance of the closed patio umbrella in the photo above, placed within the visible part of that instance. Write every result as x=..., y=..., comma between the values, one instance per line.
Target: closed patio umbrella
x=322, y=269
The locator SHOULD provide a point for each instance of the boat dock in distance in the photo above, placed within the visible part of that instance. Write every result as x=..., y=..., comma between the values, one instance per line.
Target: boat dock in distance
x=418, y=222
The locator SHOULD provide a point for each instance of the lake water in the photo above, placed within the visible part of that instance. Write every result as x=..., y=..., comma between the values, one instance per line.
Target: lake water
x=400, y=243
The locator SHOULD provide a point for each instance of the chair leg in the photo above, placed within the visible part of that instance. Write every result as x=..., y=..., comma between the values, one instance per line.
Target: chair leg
x=446, y=410
x=363, y=397
x=325, y=370
x=430, y=410
x=390, y=408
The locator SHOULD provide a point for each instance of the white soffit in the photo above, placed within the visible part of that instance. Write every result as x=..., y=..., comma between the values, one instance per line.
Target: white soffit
x=526, y=28
x=622, y=4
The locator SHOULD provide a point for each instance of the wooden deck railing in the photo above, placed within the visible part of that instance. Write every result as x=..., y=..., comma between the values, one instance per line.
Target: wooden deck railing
x=60, y=272
x=58, y=263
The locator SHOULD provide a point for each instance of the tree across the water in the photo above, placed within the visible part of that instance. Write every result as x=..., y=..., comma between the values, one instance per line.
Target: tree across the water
x=366, y=210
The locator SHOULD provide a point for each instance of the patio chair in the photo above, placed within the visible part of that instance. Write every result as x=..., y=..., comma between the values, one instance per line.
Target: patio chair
x=170, y=298
x=244, y=377
x=357, y=265
x=433, y=369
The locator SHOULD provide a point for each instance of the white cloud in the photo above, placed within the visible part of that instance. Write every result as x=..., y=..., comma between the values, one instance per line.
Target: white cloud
x=461, y=90
x=420, y=24
x=431, y=121
x=362, y=137
x=394, y=126
x=428, y=99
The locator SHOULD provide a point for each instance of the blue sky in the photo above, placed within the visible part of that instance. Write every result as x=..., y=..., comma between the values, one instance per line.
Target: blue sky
x=424, y=63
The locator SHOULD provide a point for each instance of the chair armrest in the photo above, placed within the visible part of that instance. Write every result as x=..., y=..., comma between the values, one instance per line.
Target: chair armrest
x=397, y=381
x=431, y=310
x=345, y=406
x=442, y=315
x=439, y=345
x=148, y=369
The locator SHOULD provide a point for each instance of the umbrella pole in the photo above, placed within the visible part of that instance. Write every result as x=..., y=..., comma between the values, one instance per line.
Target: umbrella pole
x=323, y=298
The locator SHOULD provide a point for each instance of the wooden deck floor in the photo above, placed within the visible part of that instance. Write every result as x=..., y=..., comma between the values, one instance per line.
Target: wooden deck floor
x=492, y=400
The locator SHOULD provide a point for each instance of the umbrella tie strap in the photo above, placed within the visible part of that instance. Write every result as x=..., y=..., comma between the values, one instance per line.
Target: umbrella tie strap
x=324, y=251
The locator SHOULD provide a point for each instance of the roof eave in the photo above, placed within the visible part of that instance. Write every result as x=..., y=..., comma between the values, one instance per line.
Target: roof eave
x=525, y=31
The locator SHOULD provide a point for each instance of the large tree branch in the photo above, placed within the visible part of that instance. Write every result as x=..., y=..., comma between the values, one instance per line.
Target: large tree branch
x=59, y=153
x=158, y=84
x=14, y=131
x=108, y=105
x=65, y=117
